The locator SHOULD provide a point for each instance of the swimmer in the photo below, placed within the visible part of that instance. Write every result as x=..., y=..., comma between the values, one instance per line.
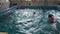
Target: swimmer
x=9, y=14
x=51, y=18
x=34, y=13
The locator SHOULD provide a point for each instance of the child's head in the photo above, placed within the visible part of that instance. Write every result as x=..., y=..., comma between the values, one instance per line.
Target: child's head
x=34, y=13
x=50, y=15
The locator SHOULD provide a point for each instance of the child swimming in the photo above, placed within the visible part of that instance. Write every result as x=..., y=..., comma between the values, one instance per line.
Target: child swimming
x=51, y=18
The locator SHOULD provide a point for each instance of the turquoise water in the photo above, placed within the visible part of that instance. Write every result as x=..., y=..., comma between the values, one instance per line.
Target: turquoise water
x=24, y=22
x=27, y=23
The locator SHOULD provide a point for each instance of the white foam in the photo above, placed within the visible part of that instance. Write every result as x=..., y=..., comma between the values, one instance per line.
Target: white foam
x=54, y=26
x=24, y=20
x=57, y=16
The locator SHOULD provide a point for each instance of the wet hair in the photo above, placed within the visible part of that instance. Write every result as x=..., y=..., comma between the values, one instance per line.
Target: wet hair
x=50, y=15
x=34, y=13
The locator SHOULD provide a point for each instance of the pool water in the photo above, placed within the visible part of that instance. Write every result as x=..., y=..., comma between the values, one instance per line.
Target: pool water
x=38, y=23
x=25, y=22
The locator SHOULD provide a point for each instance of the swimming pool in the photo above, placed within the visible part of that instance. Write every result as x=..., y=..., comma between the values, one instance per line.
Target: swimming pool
x=27, y=23
x=23, y=21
